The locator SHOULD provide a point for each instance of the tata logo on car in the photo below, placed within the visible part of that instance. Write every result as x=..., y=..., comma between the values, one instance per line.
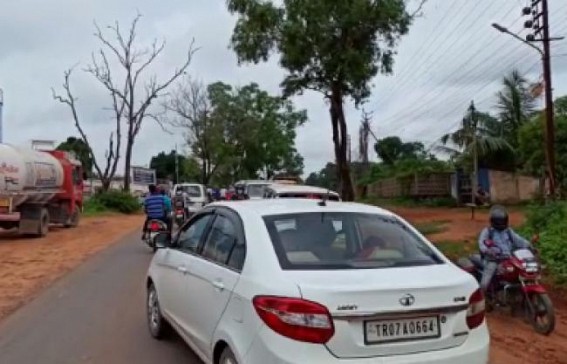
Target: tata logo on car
x=407, y=300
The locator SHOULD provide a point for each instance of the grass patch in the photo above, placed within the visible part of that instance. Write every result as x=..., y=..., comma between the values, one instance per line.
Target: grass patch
x=432, y=227
x=410, y=202
x=454, y=249
x=111, y=202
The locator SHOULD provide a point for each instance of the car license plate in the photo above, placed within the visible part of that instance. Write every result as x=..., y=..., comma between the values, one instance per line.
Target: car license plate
x=4, y=202
x=405, y=329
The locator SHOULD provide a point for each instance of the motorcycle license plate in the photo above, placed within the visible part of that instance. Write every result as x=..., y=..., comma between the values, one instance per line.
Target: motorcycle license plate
x=179, y=216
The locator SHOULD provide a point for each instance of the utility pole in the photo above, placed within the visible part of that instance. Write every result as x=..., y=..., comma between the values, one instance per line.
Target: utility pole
x=474, y=124
x=539, y=12
x=176, y=165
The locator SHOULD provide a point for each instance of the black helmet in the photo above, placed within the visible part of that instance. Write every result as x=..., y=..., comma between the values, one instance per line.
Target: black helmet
x=498, y=218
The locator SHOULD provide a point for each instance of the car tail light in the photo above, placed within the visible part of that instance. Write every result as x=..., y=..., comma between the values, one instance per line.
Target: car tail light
x=295, y=318
x=476, y=310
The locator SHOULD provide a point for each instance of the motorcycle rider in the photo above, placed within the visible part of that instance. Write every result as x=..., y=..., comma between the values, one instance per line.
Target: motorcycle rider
x=239, y=193
x=496, y=242
x=156, y=206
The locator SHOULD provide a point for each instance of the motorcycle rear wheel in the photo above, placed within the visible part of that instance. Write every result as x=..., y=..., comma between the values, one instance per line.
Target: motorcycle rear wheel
x=542, y=313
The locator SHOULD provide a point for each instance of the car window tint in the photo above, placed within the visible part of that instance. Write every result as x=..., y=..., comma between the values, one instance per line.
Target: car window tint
x=220, y=241
x=191, y=235
x=335, y=240
x=236, y=258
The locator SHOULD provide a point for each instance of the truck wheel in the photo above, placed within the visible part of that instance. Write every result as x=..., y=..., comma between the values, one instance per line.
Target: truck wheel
x=43, y=226
x=73, y=220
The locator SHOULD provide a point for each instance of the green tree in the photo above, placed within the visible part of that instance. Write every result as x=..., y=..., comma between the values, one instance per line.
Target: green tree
x=81, y=151
x=164, y=164
x=392, y=149
x=531, y=144
x=259, y=131
x=515, y=106
x=332, y=47
x=478, y=131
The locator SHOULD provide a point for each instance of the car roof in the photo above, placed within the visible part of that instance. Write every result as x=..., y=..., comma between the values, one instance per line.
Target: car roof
x=267, y=207
x=285, y=188
x=253, y=182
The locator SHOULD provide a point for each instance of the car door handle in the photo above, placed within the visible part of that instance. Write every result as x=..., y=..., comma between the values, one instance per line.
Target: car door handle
x=182, y=269
x=218, y=285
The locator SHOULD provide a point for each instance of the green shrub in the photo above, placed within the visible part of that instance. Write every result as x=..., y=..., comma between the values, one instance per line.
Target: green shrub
x=550, y=221
x=92, y=206
x=117, y=201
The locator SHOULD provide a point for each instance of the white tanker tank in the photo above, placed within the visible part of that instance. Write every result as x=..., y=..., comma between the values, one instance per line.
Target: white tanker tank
x=29, y=176
x=39, y=188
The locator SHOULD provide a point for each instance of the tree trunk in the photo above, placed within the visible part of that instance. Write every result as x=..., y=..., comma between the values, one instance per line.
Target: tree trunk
x=128, y=163
x=340, y=141
x=105, y=184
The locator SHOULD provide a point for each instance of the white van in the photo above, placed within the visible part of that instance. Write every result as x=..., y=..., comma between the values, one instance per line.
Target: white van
x=195, y=192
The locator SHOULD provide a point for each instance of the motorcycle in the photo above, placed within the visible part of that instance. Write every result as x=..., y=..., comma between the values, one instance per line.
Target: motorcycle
x=516, y=285
x=179, y=211
x=154, y=228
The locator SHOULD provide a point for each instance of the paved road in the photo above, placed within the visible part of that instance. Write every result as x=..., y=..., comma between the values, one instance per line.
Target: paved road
x=96, y=314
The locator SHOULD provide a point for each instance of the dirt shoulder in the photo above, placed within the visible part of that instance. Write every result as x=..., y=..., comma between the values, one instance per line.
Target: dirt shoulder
x=28, y=265
x=513, y=340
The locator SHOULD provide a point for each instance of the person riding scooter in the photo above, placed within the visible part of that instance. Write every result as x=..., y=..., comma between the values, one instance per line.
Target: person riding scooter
x=239, y=193
x=497, y=242
x=156, y=206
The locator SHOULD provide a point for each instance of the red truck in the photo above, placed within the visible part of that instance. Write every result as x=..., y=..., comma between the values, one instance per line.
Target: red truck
x=38, y=188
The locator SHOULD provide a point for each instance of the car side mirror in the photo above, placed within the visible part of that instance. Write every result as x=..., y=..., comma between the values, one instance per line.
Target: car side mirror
x=162, y=240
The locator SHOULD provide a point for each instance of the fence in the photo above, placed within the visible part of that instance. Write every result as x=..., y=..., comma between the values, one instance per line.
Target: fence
x=416, y=186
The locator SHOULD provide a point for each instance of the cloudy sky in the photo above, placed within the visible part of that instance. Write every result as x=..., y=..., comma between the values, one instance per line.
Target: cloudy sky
x=451, y=56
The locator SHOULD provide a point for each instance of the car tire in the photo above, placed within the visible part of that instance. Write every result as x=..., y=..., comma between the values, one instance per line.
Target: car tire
x=156, y=323
x=227, y=357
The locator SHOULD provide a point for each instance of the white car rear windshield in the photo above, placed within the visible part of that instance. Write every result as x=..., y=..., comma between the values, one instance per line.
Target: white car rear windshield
x=343, y=240
x=192, y=191
x=255, y=190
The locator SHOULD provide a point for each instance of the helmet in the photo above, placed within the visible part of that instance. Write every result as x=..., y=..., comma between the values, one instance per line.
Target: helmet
x=499, y=218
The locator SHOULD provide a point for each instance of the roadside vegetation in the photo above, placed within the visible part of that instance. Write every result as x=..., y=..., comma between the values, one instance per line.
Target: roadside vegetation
x=111, y=201
x=550, y=222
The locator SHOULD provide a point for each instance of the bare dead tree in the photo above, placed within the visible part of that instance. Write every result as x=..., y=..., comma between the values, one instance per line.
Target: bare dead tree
x=112, y=154
x=129, y=91
x=189, y=109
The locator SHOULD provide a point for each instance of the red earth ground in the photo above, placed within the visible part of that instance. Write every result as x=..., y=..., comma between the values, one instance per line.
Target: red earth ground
x=513, y=340
x=28, y=265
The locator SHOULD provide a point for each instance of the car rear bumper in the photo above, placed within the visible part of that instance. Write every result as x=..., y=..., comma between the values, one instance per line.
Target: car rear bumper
x=269, y=347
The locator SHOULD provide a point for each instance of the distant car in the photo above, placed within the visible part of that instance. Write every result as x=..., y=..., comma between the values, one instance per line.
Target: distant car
x=293, y=281
x=254, y=189
x=300, y=191
x=197, y=195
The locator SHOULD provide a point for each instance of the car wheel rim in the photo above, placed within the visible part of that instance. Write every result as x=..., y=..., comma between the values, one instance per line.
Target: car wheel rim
x=153, y=310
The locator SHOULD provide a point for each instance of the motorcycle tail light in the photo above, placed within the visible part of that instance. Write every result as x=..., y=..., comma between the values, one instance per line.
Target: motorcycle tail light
x=154, y=226
x=476, y=310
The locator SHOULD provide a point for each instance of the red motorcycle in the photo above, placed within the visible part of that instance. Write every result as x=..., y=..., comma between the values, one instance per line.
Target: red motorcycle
x=516, y=286
x=154, y=227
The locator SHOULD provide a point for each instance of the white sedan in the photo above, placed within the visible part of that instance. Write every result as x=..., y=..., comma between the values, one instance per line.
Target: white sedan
x=305, y=281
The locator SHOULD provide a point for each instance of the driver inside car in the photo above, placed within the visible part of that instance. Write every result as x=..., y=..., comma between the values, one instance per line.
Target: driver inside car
x=498, y=241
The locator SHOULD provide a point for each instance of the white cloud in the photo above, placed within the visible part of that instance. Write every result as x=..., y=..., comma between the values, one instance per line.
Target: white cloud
x=451, y=56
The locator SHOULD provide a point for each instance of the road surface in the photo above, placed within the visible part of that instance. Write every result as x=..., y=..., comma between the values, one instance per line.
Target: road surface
x=96, y=314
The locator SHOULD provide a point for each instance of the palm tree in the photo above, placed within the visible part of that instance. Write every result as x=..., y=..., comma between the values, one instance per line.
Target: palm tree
x=515, y=105
x=478, y=136
x=478, y=130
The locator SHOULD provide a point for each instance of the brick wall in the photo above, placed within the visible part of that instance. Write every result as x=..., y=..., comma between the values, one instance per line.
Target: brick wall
x=506, y=187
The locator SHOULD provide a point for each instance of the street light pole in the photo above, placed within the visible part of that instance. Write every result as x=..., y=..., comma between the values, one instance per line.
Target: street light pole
x=549, y=111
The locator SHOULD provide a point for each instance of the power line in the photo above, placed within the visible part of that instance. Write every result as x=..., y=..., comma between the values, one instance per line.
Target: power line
x=464, y=40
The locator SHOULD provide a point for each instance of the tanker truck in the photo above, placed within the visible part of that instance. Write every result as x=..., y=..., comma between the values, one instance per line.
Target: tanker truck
x=38, y=188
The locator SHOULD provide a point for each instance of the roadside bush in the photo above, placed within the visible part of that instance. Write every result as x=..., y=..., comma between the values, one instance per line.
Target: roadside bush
x=117, y=201
x=550, y=222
